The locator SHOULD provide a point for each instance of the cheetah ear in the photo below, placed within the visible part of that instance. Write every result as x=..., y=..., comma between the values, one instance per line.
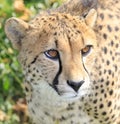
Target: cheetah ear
x=91, y=18
x=15, y=30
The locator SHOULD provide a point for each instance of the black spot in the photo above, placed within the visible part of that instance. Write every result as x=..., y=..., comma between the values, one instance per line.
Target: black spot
x=116, y=28
x=53, y=19
x=100, y=27
x=111, y=92
x=112, y=83
x=106, y=119
x=79, y=107
x=109, y=28
x=113, y=116
x=31, y=80
x=102, y=91
x=100, y=73
x=101, y=106
x=26, y=89
x=104, y=113
x=107, y=62
x=107, y=83
x=44, y=21
x=105, y=50
x=29, y=71
x=105, y=95
x=91, y=120
x=56, y=43
x=110, y=16
x=74, y=26
x=104, y=71
x=44, y=31
x=55, y=33
x=65, y=16
x=102, y=80
x=62, y=118
x=111, y=52
x=34, y=75
x=105, y=36
x=113, y=58
x=112, y=43
x=116, y=37
x=88, y=110
x=70, y=107
x=115, y=66
x=117, y=45
x=96, y=87
x=34, y=60
x=109, y=72
x=95, y=117
x=102, y=16
x=109, y=104
x=100, y=121
x=46, y=113
x=78, y=31
x=37, y=70
x=96, y=114
x=96, y=94
x=95, y=101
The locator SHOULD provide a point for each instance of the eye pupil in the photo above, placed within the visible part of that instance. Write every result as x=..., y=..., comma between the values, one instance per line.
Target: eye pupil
x=52, y=54
x=86, y=50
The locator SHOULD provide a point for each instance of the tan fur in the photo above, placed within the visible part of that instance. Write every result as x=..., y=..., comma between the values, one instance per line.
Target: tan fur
x=50, y=97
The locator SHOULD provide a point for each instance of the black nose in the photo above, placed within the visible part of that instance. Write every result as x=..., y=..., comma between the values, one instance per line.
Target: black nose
x=75, y=85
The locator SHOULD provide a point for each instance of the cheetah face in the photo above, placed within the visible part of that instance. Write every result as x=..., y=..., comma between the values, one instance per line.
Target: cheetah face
x=57, y=50
x=70, y=61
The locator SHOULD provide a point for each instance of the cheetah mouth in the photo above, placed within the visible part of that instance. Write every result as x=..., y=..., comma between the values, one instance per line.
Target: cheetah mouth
x=65, y=92
x=69, y=95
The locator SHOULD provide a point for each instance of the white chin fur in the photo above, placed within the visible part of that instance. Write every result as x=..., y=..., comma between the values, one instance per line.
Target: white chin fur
x=69, y=95
x=46, y=97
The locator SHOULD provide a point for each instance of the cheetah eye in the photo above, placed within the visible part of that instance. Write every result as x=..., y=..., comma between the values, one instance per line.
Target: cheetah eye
x=86, y=50
x=52, y=54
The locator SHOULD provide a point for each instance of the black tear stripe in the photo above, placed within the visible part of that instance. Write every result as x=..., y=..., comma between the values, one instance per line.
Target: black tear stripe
x=34, y=60
x=55, y=81
x=85, y=67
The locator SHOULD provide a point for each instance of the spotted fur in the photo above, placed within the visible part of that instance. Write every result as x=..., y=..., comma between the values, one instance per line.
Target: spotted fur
x=76, y=87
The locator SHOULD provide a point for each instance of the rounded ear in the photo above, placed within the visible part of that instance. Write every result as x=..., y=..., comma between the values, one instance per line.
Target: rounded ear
x=91, y=18
x=15, y=30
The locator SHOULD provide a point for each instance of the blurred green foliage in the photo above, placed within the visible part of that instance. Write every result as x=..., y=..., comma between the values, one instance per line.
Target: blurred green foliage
x=11, y=77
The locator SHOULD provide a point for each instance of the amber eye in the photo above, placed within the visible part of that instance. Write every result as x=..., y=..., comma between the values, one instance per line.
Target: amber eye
x=85, y=51
x=52, y=54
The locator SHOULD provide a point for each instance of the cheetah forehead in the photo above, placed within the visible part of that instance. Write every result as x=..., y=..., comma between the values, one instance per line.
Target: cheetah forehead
x=34, y=36
x=17, y=30
x=55, y=21
x=58, y=25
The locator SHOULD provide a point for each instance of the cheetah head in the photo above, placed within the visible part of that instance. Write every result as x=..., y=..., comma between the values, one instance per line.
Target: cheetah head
x=57, y=52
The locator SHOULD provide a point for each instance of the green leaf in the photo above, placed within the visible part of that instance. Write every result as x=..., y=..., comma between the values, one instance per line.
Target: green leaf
x=6, y=83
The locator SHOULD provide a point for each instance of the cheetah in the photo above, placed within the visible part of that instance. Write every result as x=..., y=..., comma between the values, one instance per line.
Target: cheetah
x=70, y=58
